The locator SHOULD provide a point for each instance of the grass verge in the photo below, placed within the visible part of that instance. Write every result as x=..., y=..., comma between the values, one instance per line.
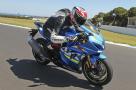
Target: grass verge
x=15, y=21
x=109, y=36
x=119, y=38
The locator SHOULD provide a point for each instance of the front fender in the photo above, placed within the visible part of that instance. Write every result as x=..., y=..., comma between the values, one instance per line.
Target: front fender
x=94, y=58
x=102, y=56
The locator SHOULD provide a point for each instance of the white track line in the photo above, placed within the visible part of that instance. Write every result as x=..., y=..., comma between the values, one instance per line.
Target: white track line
x=118, y=44
x=15, y=26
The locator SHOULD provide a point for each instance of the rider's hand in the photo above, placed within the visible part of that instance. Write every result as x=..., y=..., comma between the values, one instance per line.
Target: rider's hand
x=82, y=34
x=82, y=37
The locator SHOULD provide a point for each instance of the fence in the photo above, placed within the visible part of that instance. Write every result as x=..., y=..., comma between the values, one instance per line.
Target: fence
x=122, y=30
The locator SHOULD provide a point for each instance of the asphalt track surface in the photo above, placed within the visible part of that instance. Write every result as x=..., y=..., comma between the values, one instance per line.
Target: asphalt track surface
x=19, y=71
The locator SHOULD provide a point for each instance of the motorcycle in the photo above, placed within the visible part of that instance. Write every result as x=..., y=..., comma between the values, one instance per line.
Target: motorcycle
x=78, y=54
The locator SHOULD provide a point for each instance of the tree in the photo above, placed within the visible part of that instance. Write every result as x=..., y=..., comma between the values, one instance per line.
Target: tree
x=121, y=16
x=118, y=16
x=120, y=11
x=99, y=17
x=101, y=14
x=107, y=19
x=132, y=12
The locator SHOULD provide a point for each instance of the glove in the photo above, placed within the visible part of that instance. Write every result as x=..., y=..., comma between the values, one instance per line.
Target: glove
x=82, y=37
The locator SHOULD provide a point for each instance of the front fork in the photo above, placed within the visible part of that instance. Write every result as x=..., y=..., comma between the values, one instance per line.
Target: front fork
x=89, y=64
x=91, y=60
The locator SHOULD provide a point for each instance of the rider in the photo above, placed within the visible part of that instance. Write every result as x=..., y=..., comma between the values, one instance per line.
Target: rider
x=63, y=19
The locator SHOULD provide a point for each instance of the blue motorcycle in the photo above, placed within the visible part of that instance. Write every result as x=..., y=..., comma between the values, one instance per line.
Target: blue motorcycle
x=80, y=53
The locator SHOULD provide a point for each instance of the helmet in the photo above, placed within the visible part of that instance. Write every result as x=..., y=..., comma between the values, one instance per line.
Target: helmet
x=80, y=15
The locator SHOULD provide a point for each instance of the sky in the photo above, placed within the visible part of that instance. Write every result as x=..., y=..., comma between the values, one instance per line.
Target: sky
x=49, y=7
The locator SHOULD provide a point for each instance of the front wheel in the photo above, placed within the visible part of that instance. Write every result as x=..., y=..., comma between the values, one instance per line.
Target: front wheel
x=100, y=74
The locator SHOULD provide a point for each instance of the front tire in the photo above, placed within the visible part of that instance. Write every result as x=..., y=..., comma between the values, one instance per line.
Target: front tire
x=100, y=75
x=42, y=43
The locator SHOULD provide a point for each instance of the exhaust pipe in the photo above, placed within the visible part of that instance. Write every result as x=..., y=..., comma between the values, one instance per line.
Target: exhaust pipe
x=36, y=47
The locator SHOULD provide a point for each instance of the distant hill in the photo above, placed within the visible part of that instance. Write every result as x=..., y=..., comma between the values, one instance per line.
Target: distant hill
x=20, y=16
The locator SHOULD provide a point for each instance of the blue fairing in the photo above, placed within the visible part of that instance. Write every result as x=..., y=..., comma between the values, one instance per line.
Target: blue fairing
x=67, y=62
x=95, y=42
x=102, y=56
x=96, y=38
x=94, y=47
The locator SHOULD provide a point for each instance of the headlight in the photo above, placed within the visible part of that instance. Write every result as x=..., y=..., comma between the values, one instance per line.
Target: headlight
x=99, y=51
x=99, y=47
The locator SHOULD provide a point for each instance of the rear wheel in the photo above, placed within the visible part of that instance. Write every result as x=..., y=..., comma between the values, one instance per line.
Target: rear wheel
x=42, y=43
x=100, y=74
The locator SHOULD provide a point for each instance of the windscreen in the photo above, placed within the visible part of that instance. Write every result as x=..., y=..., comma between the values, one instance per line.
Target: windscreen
x=91, y=27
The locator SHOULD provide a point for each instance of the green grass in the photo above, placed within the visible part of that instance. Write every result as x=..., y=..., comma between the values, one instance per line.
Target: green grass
x=15, y=21
x=119, y=38
x=20, y=22
x=109, y=36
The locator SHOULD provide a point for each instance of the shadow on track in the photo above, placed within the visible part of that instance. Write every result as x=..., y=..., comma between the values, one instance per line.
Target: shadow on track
x=46, y=75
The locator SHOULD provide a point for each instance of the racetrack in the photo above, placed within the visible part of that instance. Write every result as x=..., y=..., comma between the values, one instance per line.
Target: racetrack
x=18, y=70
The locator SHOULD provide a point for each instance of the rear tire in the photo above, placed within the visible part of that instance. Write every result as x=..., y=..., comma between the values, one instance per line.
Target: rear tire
x=101, y=76
x=42, y=43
